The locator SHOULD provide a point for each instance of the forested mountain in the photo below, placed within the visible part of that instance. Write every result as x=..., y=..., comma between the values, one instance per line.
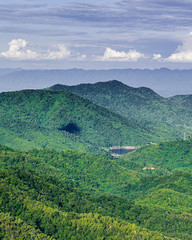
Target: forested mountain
x=43, y=204
x=140, y=103
x=62, y=120
x=85, y=171
x=72, y=188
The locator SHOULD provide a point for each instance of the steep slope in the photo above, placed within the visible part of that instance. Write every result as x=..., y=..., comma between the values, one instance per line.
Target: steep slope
x=61, y=120
x=140, y=103
x=21, y=135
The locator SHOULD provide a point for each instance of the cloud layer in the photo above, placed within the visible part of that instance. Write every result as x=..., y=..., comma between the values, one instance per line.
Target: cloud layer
x=20, y=49
x=134, y=31
x=118, y=15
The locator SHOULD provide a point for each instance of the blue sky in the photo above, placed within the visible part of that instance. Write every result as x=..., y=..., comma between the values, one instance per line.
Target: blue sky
x=96, y=34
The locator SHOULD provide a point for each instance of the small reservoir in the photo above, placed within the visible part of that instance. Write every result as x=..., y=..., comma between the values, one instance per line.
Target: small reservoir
x=121, y=151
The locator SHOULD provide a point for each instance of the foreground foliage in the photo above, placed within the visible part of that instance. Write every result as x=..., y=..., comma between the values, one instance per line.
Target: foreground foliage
x=29, y=209
x=56, y=204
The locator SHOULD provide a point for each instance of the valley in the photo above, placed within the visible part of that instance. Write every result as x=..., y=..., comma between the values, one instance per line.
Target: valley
x=95, y=161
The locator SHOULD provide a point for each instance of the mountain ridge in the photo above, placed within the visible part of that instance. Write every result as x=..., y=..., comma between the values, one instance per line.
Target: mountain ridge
x=140, y=103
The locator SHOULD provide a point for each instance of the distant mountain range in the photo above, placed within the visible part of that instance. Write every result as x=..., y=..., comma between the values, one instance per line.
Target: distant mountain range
x=164, y=81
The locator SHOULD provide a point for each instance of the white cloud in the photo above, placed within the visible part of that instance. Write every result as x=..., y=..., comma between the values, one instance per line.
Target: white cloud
x=17, y=50
x=184, y=51
x=184, y=56
x=113, y=55
x=156, y=56
x=61, y=53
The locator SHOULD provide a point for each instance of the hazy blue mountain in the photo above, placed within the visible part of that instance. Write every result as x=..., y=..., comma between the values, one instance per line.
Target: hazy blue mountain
x=7, y=71
x=164, y=81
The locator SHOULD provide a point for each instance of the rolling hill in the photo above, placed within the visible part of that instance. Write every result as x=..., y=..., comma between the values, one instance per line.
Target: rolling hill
x=37, y=207
x=42, y=203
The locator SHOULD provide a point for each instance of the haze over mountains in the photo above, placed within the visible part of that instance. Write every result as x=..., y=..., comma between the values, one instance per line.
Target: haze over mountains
x=164, y=81
x=81, y=83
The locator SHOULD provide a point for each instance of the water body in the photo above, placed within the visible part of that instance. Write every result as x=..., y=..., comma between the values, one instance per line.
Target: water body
x=121, y=151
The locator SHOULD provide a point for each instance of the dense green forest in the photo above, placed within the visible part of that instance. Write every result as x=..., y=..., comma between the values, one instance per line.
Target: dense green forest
x=182, y=101
x=70, y=195
x=57, y=181
x=37, y=207
x=140, y=103
x=61, y=120
x=162, y=158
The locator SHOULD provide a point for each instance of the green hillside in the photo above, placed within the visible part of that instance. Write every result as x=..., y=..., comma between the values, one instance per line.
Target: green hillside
x=182, y=100
x=62, y=120
x=91, y=172
x=161, y=158
x=169, y=199
x=29, y=210
x=140, y=103
x=48, y=205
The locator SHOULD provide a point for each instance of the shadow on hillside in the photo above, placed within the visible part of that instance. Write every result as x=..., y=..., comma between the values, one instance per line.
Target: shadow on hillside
x=71, y=128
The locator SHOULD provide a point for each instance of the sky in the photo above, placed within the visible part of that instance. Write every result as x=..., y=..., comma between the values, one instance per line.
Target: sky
x=96, y=34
